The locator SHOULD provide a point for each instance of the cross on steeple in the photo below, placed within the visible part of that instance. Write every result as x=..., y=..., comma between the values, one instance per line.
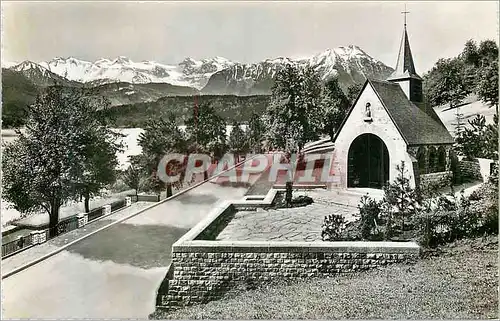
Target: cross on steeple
x=405, y=13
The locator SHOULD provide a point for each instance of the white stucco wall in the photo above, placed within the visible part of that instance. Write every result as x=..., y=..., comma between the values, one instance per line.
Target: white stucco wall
x=382, y=126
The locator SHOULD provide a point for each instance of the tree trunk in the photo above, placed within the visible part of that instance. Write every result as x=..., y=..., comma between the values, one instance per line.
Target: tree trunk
x=87, y=201
x=53, y=221
x=169, y=189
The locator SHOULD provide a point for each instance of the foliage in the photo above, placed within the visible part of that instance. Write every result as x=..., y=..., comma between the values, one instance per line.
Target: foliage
x=60, y=155
x=353, y=92
x=293, y=116
x=255, y=131
x=332, y=227
x=238, y=142
x=132, y=177
x=207, y=131
x=301, y=200
x=400, y=201
x=480, y=140
x=445, y=84
x=369, y=210
x=475, y=70
x=161, y=136
x=334, y=105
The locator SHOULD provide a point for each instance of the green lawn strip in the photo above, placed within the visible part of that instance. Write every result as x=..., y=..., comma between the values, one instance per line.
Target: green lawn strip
x=460, y=283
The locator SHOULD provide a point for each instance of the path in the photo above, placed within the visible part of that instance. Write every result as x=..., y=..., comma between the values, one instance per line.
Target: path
x=114, y=273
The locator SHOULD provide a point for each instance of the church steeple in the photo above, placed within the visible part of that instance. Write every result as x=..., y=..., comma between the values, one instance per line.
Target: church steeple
x=405, y=74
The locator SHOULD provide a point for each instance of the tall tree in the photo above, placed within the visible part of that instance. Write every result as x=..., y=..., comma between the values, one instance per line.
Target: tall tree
x=238, y=142
x=445, y=83
x=334, y=106
x=161, y=136
x=255, y=132
x=293, y=116
x=207, y=131
x=48, y=163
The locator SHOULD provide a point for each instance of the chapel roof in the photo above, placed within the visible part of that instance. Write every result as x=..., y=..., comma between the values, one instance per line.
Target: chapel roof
x=405, y=67
x=415, y=125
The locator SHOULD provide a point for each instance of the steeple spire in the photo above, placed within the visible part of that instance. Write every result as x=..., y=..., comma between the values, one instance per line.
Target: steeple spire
x=405, y=68
x=405, y=74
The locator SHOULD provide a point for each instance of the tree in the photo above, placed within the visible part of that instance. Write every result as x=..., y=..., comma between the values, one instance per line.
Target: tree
x=255, y=132
x=161, y=136
x=487, y=85
x=208, y=131
x=353, y=92
x=334, y=106
x=445, y=83
x=293, y=116
x=132, y=178
x=101, y=145
x=48, y=163
x=400, y=201
x=480, y=139
x=238, y=142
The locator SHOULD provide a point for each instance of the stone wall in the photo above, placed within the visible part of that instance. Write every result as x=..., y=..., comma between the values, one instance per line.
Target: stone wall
x=435, y=180
x=203, y=272
x=470, y=169
x=203, y=269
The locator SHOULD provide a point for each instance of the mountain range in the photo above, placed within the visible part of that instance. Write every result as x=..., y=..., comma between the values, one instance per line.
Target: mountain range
x=125, y=82
x=216, y=75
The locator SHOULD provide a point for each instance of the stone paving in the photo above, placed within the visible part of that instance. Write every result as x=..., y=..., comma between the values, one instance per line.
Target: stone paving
x=296, y=224
x=287, y=224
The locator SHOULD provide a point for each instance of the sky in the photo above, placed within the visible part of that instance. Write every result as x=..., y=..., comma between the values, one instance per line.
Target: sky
x=245, y=32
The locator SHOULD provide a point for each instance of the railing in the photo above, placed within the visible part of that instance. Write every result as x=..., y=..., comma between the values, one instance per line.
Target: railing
x=19, y=244
x=94, y=214
x=66, y=225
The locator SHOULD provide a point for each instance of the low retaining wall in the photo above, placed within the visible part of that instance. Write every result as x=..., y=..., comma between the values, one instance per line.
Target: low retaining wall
x=435, y=180
x=470, y=169
x=203, y=270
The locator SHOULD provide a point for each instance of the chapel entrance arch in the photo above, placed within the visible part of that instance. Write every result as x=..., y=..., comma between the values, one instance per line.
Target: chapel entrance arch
x=368, y=162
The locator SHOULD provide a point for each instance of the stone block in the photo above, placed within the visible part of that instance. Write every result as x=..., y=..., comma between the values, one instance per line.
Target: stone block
x=128, y=201
x=106, y=209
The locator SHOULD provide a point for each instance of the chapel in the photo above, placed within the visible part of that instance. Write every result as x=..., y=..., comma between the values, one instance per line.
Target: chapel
x=390, y=122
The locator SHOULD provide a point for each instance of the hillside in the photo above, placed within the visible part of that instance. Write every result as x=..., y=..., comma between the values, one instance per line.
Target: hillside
x=470, y=108
x=230, y=107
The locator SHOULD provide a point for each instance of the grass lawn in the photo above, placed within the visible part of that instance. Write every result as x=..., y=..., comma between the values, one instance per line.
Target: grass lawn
x=458, y=281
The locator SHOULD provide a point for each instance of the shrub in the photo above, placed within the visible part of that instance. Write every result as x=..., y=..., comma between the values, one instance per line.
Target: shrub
x=301, y=200
x=369, y=210
x=400, y=203
x=332, y=227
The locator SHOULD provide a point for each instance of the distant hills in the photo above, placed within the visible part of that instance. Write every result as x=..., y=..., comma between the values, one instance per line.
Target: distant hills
x=125, y=82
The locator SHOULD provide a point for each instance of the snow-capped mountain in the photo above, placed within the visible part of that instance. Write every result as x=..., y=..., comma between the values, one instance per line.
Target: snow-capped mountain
x=40, y=75
x=190, y=72
x=212, y=76
x=350, y=64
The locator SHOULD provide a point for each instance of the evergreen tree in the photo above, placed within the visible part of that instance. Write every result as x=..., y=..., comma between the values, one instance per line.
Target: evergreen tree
x=254, y=133
x=161, y=136
x=238, y=142
x=60, y=155
x=487, y=85
x=400, y=201
x=334, y=106
x=207, y=131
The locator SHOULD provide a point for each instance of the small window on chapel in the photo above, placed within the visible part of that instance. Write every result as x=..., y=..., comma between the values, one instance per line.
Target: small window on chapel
x=368, y=112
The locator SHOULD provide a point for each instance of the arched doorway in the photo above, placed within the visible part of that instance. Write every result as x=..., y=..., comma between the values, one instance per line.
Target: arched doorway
x=368, y=162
